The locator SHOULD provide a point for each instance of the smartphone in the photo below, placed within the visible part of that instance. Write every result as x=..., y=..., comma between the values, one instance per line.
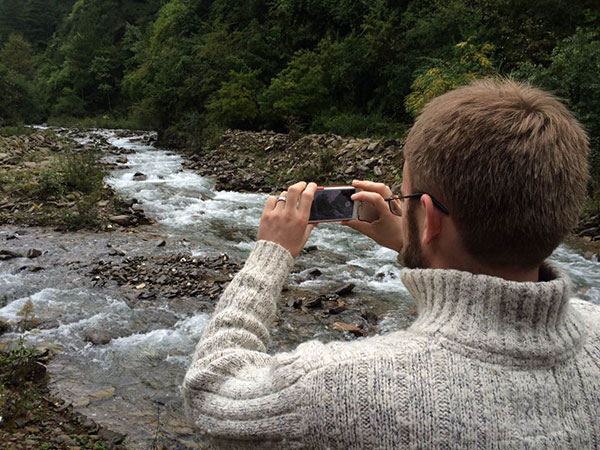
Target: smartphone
x=333, y=204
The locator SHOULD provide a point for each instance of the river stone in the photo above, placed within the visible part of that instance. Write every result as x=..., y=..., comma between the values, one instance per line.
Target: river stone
x=33, y=253
x=139, y=176
x=111, y=436
x=341, y=326
x=123, y=220
x=346, y=289
x=64, y=439
x=96, y=337
x=9, y=254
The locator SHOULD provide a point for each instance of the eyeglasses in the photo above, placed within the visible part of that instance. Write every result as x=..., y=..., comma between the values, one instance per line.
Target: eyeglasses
x=396, y=202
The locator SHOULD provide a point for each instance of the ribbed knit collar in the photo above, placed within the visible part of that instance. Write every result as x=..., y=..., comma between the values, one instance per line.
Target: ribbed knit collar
x=523, y=324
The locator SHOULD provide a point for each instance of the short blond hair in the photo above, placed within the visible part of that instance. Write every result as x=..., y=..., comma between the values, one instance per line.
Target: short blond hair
x=510, y=163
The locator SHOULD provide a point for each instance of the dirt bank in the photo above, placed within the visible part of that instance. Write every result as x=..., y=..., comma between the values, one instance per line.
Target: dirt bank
x=268, y=161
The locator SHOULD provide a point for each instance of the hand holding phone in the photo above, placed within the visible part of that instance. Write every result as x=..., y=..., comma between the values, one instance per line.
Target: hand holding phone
x=386, y=230
x=335, y=204
x=285, y=218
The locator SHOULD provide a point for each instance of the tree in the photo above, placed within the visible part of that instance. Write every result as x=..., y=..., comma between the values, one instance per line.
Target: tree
x=235, y=104
x=468, y=62
x=298, y=92
x=16, y=56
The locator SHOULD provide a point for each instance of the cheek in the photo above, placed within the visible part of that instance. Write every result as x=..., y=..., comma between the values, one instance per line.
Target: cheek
x=404, y=229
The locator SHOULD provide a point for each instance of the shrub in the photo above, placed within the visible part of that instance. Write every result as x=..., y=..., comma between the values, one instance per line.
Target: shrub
x=81, y=172
x=85, y=214
x=49, y=184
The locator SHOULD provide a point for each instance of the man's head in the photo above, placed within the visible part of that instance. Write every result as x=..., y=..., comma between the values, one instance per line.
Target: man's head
x=508, y=161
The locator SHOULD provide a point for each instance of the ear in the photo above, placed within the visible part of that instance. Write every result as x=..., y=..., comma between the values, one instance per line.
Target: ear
x=433, y=220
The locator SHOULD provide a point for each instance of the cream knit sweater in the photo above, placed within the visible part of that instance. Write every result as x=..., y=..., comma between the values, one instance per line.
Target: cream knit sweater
x=488, y=364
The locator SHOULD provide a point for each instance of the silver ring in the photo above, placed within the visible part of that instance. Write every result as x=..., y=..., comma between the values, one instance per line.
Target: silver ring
x=281, y=198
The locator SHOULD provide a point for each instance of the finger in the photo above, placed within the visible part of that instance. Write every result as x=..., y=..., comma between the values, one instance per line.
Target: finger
x=281, y=203
x=381, y=188
x=270, y=203
x=374, y=198
x=307, y=232
x=307, y=198
x=293, y=195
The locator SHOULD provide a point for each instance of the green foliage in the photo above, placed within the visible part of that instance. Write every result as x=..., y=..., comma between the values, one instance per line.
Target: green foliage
x=69, y=104
x=467, y=63
x=345, y=66
x=16, y=56
x=15, y=131
x=81, y=172
x=298, y=91
x=17, y=99
x=85, y=214
x=49, y=185
x=573, y=75
x=356, y=124
x=235, y=104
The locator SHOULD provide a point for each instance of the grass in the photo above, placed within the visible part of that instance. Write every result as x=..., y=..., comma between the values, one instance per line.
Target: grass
x=15, y=131
x=60, y=189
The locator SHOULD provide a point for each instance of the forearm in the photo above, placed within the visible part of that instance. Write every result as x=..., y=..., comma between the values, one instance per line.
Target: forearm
x=245, y=311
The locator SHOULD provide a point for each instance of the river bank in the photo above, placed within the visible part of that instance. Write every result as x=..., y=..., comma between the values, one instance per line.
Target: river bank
x=55, y=178
x=266, y=161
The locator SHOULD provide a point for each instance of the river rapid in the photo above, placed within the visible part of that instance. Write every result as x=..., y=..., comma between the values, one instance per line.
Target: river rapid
x=131, y=384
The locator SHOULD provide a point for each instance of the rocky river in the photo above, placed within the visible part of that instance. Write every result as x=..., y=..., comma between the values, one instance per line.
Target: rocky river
x=122, y=310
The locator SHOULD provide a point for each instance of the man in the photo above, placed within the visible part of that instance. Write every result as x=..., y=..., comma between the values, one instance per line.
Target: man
x=499, y=356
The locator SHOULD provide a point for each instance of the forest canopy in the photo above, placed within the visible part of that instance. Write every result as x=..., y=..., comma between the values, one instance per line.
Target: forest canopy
x=351, y=67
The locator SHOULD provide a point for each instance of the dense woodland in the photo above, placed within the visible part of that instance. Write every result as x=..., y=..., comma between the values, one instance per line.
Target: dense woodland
x=352, y=67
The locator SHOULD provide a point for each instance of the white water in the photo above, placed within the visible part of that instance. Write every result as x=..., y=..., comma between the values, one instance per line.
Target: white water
x=151, y=348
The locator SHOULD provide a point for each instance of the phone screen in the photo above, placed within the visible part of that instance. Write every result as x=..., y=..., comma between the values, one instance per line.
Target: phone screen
x=332, y=204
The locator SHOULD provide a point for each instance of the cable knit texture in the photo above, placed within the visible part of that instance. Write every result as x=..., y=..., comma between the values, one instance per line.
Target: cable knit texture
x=488, y=364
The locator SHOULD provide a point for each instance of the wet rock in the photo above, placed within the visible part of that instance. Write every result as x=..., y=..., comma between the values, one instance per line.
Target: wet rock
x=139, y=176
x=146, y=296
x=341, y=326
x=123, y=220
x=33, y=253
x=9, y=254
x=96, y=337
x=315, y=273
x=4, y=327
x=346, y=289
x=312, y=302
x=103, y=394
x=21, y=422
x=111, y=436
x=63, y=439
x=121, y=160
x=162, y=243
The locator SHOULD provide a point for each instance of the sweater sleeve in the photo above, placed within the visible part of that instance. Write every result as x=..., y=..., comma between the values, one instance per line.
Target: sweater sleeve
x=235, y=393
